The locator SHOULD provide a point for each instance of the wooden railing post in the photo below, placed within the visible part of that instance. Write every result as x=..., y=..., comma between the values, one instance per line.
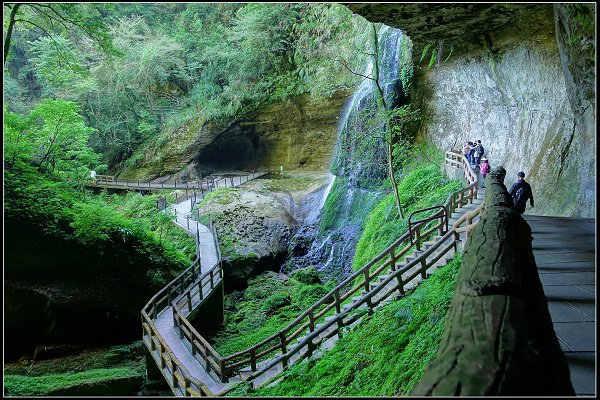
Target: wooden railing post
x=152, y=344
x=423, y=267
x=253, y=359
x=173, y=376
x=223, y=371
x=283, y=348
x=186, y=385
x=311, y=321
x=336, y=295
x=418, y=237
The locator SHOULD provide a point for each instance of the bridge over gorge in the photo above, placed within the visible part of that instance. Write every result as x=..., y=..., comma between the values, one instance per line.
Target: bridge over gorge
x=191, y=367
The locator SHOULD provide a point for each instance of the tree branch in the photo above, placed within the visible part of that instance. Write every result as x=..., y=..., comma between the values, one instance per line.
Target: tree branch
x=52, y=38
x=11, y=25
x=50, y=18
x=351, y=71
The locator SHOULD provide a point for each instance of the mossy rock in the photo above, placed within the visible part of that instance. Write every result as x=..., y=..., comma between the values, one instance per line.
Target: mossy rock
x=308, y=275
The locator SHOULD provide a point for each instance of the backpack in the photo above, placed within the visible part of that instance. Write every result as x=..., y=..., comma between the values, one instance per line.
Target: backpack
x=518, y=195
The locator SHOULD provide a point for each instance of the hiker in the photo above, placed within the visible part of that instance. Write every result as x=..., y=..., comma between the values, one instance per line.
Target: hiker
x=478, y=153
x=484, y=169
x=467, y=150
x=472, y=152
x=520, y=192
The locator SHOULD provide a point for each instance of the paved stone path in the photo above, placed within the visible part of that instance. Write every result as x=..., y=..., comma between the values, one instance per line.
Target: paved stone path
x=565, y=252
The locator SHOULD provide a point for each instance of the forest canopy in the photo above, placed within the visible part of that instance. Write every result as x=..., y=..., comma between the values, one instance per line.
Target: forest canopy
x=134, y=70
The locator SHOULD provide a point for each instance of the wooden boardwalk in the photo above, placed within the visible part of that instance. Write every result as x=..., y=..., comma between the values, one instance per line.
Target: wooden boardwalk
x=565, y=256
x=192, y=367
x=565, y=253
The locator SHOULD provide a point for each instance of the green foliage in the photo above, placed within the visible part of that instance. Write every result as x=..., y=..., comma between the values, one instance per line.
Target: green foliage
x=345, y=205
x=59, y=66
x=422, y=188
x=308, y=275
x=129, y=356
x=103, y=223
x=269, y=303
x=406, y=69
x=18, y=385
x=95, y=222
x=385, y=355
x=80, y=20
x=433, y=58
x=53, y=137
x=168, y=65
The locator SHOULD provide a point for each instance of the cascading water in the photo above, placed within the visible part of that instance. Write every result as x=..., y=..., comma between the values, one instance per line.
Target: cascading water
x=359, y=166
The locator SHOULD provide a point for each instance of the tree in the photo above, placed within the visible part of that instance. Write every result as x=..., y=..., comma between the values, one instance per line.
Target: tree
x=59, y=137
x=54, y=18
x=385, y=118
x=17, y=143
x=59, y=68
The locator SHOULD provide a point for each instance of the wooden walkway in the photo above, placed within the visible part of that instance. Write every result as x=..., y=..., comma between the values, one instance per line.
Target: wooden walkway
x=206, y=184
x=191, y=366
x=565, y=256
x=208, y=257
x=565, y=253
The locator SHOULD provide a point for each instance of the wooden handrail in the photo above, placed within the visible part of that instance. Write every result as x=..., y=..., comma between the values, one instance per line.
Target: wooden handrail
x=180, y=287
x=498, y=325
x=278, y=345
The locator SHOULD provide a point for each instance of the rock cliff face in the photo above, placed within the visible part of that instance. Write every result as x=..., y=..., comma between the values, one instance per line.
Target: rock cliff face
x=297, y=134
x=520, y=85
x=255, y=223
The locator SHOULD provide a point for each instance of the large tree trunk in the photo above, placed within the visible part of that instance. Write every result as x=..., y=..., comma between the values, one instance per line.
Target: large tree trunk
x=11, y=25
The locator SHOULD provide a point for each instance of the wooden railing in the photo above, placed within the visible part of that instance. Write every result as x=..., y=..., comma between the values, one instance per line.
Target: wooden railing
x=206, y=183
x=104, y=179
x=313, y=326
x=211, y=360
x=389, y=272
x=498, y=335
x=180, y=378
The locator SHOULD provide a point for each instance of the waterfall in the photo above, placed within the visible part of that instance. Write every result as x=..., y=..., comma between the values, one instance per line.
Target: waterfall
x=359, y=154
x=358, y=159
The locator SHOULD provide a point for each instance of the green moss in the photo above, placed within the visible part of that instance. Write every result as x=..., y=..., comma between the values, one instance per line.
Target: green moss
x=290, y=183
x=20, y=385
x=222, y=196
x=345, y=205
x=269, y=303
x=90, y=366
x=385, y=355
x=422, y=188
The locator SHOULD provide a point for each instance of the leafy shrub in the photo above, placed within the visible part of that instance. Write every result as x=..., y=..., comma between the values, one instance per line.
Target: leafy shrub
x=308, y=275
x=275, y=301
